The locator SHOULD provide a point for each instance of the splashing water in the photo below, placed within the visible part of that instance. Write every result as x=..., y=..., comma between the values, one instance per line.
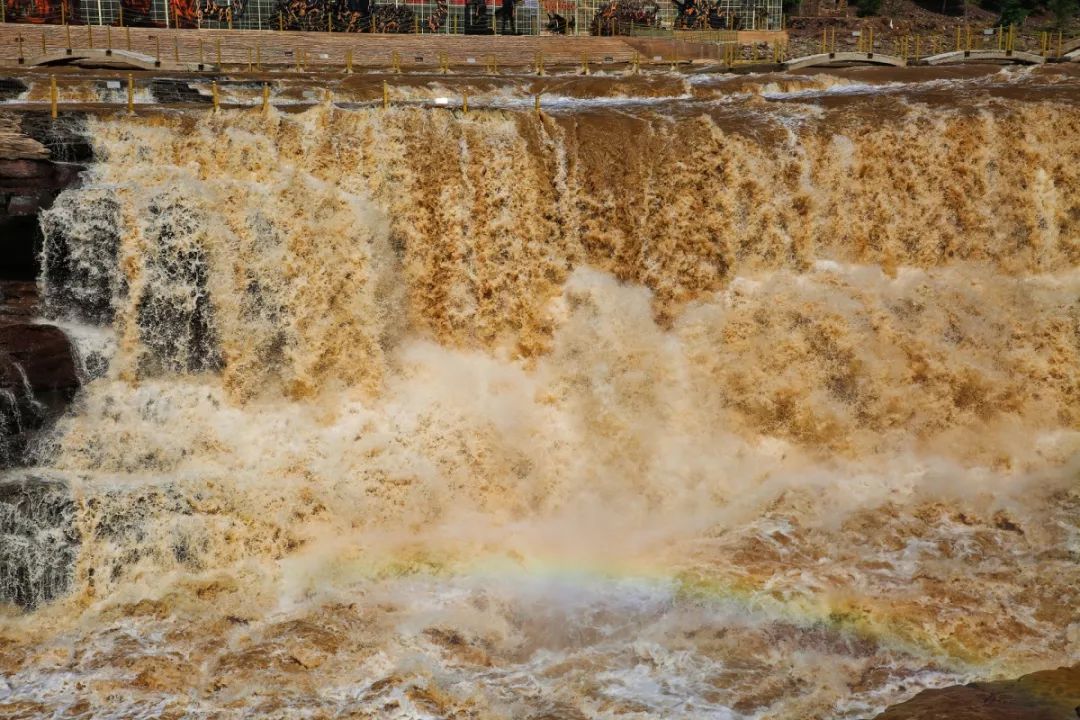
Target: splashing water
x=410, y=414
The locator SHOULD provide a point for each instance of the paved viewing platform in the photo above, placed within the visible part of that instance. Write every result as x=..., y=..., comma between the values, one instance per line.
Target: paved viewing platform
x=211, y=50
x=150, y=48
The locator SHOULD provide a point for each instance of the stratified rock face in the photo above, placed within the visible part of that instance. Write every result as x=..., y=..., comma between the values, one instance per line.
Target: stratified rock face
x=38, y=540
x=1046, y=695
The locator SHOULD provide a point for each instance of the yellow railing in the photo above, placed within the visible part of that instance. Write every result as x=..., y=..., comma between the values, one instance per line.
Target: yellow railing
x=915, y=47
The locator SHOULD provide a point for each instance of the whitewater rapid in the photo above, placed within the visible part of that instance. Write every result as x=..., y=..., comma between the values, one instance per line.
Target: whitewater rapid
x=762, y=411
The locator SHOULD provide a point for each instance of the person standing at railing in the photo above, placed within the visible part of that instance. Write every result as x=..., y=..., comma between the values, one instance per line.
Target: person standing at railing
x=506, y=16
x=474, y=14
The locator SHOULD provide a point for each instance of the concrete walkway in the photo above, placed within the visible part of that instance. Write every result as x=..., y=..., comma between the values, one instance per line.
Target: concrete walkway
x=843, y=58
x=112, y=58
x=957, y=57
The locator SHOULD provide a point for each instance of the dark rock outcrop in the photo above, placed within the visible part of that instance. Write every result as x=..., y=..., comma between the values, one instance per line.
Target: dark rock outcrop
x=38, y=158
x=38, y=539
x=168, y=90
x=11, y=88
x=38, y=378
x=18, y=301
x=27, y=186
x=1045, y=695
x=65, y=138
x=44, y=354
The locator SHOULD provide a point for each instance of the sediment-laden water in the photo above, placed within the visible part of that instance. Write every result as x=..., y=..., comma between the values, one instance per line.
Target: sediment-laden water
x=763, y=403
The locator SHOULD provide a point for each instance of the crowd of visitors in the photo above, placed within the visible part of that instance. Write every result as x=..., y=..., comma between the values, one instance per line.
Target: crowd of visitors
x=704, y=15
x=346, y=16
x=619, y=17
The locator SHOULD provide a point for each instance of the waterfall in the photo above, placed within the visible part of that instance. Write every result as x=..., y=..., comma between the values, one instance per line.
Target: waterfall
x=739, y=411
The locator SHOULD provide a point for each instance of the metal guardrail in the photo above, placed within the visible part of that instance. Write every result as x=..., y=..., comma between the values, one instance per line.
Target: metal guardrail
x=194, y=51
x=965, y=38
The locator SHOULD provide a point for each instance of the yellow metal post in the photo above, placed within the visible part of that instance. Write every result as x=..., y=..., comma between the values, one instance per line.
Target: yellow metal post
x=52, y=96
x=465, y=102
x=396, y=61
x=538, y=104
x=584, y=63
x=258, y=56
x=385, y=96
x=214, y=92
x=266, y=97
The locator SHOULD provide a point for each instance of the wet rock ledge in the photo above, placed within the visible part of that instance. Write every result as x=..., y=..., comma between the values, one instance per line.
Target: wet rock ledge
x=1044, y=695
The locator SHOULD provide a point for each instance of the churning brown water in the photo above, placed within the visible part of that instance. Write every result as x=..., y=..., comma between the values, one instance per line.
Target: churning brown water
x=761, y=403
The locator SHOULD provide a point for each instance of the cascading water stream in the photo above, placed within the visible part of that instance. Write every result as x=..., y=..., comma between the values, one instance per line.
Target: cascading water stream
x=743, y=411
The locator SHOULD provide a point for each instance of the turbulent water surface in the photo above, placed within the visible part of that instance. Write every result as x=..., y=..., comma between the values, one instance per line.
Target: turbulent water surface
x=759, y=403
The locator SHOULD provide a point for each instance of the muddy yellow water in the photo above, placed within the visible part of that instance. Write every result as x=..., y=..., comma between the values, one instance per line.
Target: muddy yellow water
x=750, y=398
